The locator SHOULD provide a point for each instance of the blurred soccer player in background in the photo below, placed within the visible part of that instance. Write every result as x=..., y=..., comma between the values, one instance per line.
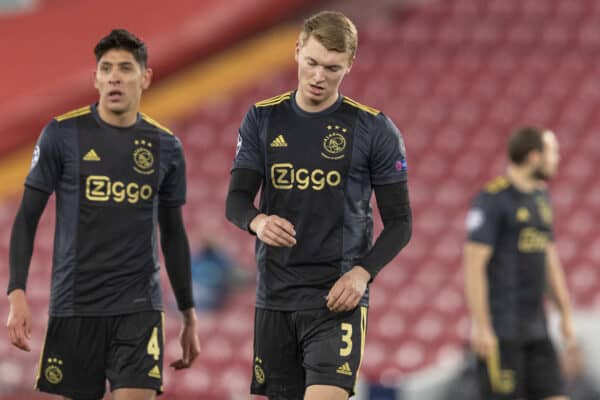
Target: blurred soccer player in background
x=318, y=156
x=510, y=261
x=116, y=173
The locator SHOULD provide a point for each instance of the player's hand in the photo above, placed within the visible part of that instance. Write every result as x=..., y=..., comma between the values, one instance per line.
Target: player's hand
x=190, y=344
x=274, y=230
x=19, y=320
x=348, y=290
x=568, y=333
x=483, y=341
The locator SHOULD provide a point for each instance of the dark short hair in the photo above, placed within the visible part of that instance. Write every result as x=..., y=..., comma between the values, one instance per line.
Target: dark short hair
x=523, y=141
x=123, y=39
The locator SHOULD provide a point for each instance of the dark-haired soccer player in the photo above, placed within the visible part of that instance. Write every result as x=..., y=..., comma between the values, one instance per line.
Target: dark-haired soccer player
x=116, y=174
x=510, y=260
x=318, y=156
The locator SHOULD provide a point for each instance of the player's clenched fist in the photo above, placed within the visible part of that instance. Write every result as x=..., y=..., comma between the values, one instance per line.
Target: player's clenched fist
x=274, y=230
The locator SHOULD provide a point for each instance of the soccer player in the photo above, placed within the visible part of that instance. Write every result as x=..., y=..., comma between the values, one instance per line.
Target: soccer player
x=510, y=260
x=116, y=173
x=318, y=156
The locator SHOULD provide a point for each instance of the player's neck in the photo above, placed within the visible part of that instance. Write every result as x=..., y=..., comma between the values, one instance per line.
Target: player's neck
x=122, y=120
x=521, y=179
x=311, y=107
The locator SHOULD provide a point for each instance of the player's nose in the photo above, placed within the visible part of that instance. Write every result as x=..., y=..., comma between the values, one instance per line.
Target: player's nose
x=319, y=74
x=114, y=78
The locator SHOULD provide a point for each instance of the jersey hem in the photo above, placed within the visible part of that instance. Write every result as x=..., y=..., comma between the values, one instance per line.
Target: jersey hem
x=104, y=314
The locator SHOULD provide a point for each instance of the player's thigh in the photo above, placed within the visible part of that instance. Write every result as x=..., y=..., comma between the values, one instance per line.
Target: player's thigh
x=501, y=374
x=73, y=358
x=544, y=378
x=333, y=346
x=277, y=368
x=135, y=358
x=325, y=392
x=134, y=394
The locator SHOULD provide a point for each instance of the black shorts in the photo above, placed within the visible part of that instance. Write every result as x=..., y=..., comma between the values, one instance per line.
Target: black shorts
x=296, y=349
x=521, y=370
x=80, y=353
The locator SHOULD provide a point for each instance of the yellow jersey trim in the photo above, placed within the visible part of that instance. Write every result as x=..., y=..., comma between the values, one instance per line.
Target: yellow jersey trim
x=497, y=184
x=363, y=337
x=274, y=100
x=356, y=104
x=156, y=123
x=74, y=113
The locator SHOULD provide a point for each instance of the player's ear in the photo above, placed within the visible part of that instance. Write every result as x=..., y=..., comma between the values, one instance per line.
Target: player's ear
x=297, y=51
x=146, y=78
x=535, y=157
x=350, y=64
x=95, y=80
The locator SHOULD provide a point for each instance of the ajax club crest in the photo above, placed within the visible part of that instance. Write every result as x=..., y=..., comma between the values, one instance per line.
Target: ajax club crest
x=143, y=158
x=53, y=372
x=334, y=143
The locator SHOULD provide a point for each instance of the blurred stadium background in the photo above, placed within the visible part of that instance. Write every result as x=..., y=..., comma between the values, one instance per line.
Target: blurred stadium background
x=456, y=76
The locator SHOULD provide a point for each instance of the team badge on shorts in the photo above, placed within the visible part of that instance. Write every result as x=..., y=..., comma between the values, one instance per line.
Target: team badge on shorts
x=143, y=158
x=334, y=143
x=259, y=373
x=53, y=373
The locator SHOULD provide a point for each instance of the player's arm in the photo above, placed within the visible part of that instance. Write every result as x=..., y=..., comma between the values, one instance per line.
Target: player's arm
x=176, y=249
x=388, y=176
x=246, y=177
x=240, y=210
x=558, y=292
x=475, y=258
x=21, y=249
x=394, y=207
x=484, y=222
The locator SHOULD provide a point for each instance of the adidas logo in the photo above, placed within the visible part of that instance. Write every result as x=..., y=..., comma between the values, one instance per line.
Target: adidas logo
x=91, y=156
x=344, y=369
x=154, y=372
x=279, y=141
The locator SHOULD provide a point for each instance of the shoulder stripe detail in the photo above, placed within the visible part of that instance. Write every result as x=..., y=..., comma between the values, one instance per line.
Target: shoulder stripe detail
x=356, y=104
x=274, y=100
x=74, y=113
x=156, y=123
x=497, y=184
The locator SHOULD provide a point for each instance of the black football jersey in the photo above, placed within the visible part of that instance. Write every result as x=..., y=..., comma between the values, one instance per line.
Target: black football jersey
x=109, y=182
x=519, y=227
x=319, y=170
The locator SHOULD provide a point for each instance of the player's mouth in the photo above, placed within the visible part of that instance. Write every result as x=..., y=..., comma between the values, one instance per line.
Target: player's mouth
x=115, y=95
x=316, y=90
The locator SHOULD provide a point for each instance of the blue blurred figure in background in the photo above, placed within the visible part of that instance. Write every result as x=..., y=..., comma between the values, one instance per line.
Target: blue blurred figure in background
x=214, y=273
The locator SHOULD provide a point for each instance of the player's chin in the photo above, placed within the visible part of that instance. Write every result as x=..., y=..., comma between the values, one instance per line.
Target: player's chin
x=117, y=108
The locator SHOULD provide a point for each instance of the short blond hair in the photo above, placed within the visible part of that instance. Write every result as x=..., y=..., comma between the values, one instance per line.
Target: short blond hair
x=333, y=30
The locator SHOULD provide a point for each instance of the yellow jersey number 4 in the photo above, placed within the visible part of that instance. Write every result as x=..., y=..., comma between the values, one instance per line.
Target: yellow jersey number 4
x=153, y=348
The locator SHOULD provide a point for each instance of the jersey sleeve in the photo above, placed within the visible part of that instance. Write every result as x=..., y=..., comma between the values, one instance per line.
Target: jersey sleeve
x=173, y=189
x=388, y=154
x=46, y=163
x=483, y=220
x=248, y=153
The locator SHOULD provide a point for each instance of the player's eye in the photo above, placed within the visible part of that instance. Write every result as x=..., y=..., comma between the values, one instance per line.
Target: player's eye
x=333, y=68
